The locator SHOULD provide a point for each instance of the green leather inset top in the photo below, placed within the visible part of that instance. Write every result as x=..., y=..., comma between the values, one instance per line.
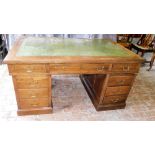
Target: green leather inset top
x=36, y=46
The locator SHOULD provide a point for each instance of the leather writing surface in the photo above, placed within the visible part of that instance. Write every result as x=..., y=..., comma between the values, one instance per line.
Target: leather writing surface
x=32, y=46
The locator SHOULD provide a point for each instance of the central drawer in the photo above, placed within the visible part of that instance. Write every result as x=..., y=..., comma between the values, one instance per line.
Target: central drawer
x=23, y=82
x=79, y=68
x=120, y=90
x=28, y=68
x=33, y=93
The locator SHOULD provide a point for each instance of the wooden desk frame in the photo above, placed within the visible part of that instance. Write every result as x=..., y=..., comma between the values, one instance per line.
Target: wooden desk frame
x=107, y=80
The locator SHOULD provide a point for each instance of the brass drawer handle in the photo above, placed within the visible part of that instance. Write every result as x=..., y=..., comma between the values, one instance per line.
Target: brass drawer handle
x=34, y=104
x=115, y=100
x=59, y=67
x=121, y=82
x=101, y=68
x=126, y=68
x=29, y=71
x=33, y=96
x=35, y=82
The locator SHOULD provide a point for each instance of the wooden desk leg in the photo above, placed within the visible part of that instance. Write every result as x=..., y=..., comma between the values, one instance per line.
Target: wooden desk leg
x=152, y=61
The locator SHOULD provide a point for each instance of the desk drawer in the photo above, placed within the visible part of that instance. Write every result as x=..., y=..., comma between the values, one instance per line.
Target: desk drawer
x=30, y=68
x=114, y=100
x=23, y=82
x=79, y=68
x=120, y=80
x=95, y=68
x=33, y=93
x=121, y=90
x=64, y=68
x=127, y=68
x=33, y=103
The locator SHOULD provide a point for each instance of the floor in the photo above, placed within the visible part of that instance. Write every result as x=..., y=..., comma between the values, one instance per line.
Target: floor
x=71, y=101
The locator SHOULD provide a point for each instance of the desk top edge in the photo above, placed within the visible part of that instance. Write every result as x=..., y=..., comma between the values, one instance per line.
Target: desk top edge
x=12, y=58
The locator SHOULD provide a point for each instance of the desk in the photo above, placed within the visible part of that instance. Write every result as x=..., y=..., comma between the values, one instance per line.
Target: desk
x=106, y=69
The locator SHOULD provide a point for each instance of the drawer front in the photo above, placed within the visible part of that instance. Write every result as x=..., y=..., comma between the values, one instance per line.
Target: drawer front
x=120, y=80
x=32, y=82
x=33, y=93
x=31, y=68
x=127, y=68
x=33, y=103
x=79, y=68
x=121, y=90
x=95, y=68
x=64, y=68
x=114, y=99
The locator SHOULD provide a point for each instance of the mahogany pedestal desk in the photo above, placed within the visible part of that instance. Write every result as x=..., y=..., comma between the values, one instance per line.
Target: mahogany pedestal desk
x=107, y=71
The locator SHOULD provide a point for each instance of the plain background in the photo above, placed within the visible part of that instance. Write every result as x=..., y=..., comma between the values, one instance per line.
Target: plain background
x=77, y=17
